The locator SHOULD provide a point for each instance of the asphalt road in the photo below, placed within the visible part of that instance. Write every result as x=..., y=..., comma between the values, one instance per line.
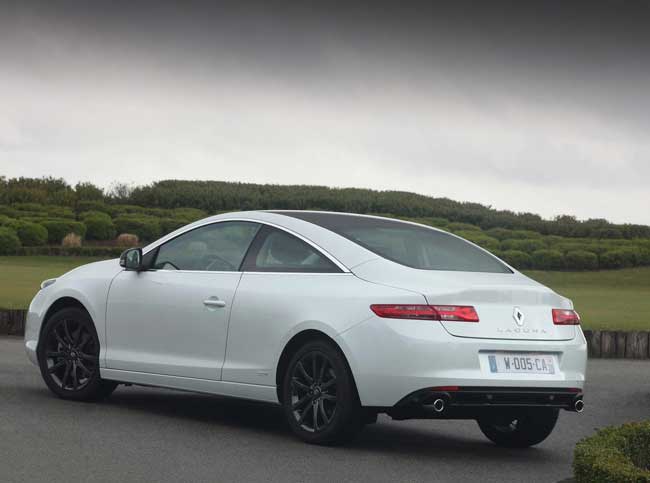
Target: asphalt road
x=145, y=434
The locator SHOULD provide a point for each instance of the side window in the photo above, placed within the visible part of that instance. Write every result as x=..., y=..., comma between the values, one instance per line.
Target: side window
x=217, y=247
x=277, y=251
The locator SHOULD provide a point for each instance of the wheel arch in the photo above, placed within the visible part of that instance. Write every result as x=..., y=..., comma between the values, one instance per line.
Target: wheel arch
x=64, y=302
x=293, y=345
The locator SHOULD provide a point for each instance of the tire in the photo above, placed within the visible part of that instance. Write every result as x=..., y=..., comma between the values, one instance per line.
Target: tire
x=520, y=429
x=330, y=397
x=68, y=356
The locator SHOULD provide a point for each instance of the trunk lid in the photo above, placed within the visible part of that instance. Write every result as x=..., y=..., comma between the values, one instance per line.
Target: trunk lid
x=509, y=306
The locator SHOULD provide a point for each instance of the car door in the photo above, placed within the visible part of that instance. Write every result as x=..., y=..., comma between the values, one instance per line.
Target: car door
x=285, y=282
x=172, y=319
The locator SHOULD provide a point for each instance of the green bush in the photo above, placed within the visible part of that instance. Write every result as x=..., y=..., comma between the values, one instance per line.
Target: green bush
x=90, y=205
x=30, y=234
x=167, y=225
x=59, y=212
x=548, y=260
x=58, y=229
x=581, y=260
x=146, y=227
x=621, y=258
x=9, y=241
x=87, y=251
x=480, y=238
x=518, y=259
x=614, y=455
x=457, y=226
x=500, y=233
x=524, y=245
x=99, y=226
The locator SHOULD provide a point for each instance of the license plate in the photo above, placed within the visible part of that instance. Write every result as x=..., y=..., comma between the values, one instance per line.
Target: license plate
x=521, y=363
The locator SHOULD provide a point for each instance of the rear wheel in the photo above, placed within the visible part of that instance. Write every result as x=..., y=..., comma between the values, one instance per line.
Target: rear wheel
x=520, y=429
x=68, y=356
x=319, y=397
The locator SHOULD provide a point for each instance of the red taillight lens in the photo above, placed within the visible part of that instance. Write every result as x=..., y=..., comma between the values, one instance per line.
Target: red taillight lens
x=454, y=313
x=565, y=317
x=425, y=312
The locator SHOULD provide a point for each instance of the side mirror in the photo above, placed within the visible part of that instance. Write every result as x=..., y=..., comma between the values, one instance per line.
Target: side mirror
x=131, y=259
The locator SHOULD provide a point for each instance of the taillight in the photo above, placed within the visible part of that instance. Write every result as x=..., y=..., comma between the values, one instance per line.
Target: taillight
x=565, y=317
x=452, y=313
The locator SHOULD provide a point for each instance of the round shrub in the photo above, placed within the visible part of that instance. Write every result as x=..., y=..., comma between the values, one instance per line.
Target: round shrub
x=99, y=226
x=524, y=245
x=9, y=241
x=518, y=259
x=147, y=228
x=548, y=260
x=57, y=229
x=581, y=260
x=614, y=455
x=621, y=258
x=30, y=234
x=644, y=257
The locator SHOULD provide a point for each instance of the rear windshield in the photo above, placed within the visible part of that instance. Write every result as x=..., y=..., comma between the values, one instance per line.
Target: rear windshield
x=411, y=245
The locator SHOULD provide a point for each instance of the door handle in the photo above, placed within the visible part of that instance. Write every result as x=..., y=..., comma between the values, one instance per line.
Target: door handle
x=214, y=302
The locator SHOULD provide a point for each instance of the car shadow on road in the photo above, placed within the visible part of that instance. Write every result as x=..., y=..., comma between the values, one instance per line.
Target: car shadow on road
x=268, y=420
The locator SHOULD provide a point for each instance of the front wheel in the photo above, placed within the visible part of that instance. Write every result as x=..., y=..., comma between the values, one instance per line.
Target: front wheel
x=319, y=396
x=68, y=356
x=520, y=429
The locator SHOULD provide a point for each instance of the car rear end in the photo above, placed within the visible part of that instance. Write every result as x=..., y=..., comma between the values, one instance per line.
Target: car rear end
x=484, y=336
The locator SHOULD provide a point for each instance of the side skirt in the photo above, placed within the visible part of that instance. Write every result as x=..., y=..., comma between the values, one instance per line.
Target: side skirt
x=220, y=388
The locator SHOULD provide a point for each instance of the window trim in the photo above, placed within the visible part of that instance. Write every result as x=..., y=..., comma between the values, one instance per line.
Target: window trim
x=155, y=246
x=156, y=251
x=248, y=264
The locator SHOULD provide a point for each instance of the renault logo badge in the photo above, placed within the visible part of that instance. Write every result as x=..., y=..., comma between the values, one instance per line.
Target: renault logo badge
x=519, y=316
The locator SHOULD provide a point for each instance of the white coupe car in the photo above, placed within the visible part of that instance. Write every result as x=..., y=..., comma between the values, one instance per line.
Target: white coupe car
x=337, y=317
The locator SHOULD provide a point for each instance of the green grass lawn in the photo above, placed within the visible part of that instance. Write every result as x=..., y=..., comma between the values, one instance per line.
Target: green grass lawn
x=613, y=299
x=609, y=299
x=20, y=277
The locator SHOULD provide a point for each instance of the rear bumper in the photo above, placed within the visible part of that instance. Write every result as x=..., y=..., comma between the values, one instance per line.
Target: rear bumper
x=391, y=359
x=472, y=402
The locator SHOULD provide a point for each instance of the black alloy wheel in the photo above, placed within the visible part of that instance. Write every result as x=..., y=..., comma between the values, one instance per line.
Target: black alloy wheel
x=319, y=396
x=68, y=355
x=313, y=391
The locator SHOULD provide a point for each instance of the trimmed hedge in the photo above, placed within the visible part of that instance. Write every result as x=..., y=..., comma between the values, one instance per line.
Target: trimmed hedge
x=30, y=234
x=518, y=259
x=621, y=258
x=548, y=260
x=527, y=245
x=9, y=241
x=99, y=225
x=58, y=229
x=614, y=455
x=146, y=227
x=108, y=252
x=581, y=260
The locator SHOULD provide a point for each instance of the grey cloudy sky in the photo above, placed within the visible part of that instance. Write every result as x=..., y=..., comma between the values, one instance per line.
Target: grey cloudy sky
x=529, y=106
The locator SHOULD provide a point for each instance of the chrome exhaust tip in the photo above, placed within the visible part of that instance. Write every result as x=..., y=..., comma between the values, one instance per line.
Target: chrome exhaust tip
x=579, y=406
x=439, y=405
